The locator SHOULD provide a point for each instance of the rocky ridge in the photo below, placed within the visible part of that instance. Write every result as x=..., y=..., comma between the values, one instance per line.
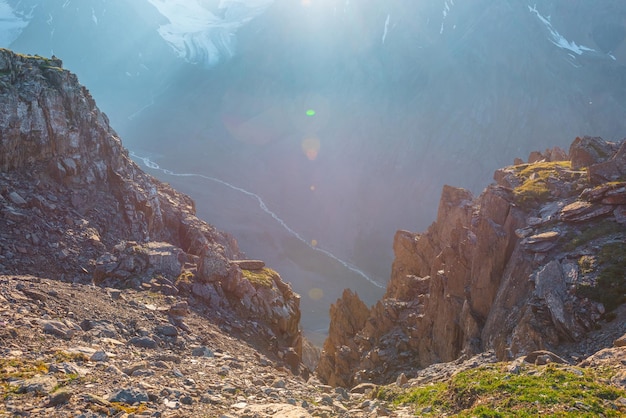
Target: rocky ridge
x=75, y=207
x=534, y=263
x=116, y=300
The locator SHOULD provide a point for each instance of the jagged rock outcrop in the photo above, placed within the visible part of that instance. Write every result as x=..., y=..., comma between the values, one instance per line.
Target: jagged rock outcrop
x=525, y=266
x=348, y=317
x=73, y=201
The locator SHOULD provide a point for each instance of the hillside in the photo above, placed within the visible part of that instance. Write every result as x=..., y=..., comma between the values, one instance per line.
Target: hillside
x=117, y=300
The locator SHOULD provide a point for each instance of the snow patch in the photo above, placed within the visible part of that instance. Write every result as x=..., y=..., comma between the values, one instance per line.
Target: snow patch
x=11, y=24
x=386, y=28
x=556, y=38
x=201, y=35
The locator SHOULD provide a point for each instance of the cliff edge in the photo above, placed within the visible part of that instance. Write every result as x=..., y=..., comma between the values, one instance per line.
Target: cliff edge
x=536, y=262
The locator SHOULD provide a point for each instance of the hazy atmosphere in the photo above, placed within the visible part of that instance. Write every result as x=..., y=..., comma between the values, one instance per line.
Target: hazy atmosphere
x=312, y=130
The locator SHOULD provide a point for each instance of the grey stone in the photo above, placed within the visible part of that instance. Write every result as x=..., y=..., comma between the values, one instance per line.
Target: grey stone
x=60, y=397
x=99, y=356
x=143, y=342
x=249, y=264
x=129, y=396
x=363, y=388
x=16, y=199
x=202, y=352
x=41, y=385
x=167, y=330
x=58, y=329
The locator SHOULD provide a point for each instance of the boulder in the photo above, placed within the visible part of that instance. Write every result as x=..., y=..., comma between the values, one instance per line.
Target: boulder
x=587, y=151
x=249, y=264
x=542, y=242
x=611, y=170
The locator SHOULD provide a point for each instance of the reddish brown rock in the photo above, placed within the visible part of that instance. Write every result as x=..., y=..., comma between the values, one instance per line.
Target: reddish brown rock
x=587, y=151
x=581, y=211
x=611, y=170
x=487, y=275
x=340, y=353
x=87, y=211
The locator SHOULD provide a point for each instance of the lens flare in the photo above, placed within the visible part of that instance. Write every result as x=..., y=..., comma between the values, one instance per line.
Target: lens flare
x=311, y=148
x=312, y=187
x=310, y=112
x=316, y=293
x=314, y=243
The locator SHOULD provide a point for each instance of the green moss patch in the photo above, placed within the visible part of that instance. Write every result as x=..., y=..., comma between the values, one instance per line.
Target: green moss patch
x=536, y=180
x=494, y=391
x=21, y=369
x=610, y=285
x=264, y=277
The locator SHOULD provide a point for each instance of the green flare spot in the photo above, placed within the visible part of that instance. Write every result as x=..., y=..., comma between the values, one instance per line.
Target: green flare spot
x=310, y=112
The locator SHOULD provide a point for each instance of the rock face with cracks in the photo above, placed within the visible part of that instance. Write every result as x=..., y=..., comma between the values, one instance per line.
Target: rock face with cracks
x=74, y=202
x=525, y=266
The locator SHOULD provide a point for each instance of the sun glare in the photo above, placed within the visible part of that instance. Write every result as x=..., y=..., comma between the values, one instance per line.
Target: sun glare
x=311, y=148
x=316, y=293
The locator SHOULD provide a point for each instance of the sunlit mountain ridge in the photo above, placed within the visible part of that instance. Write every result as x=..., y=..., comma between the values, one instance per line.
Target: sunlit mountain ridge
x=346, y=117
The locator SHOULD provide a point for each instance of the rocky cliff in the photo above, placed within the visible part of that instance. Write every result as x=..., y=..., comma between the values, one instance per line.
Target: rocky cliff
x=75, y=207
x=535, y=262
x=116, y=300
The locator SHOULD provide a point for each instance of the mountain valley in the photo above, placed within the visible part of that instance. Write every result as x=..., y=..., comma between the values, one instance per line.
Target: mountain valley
x=406, y=97
x=117, y=300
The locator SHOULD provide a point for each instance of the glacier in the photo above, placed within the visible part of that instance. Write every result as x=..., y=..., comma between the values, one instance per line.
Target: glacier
x=11, y=24
x=201, y=35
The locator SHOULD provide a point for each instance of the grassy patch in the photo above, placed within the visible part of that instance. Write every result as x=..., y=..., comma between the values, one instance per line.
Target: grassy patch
x=587, y=264
x=14, y=368
x=491, y=391
x=185, y=278
x=610, y=286
x=431, y=399
x=128, y=409
x=535, y=180
x=51, y=67
x=66, y=356
x=261, y=278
